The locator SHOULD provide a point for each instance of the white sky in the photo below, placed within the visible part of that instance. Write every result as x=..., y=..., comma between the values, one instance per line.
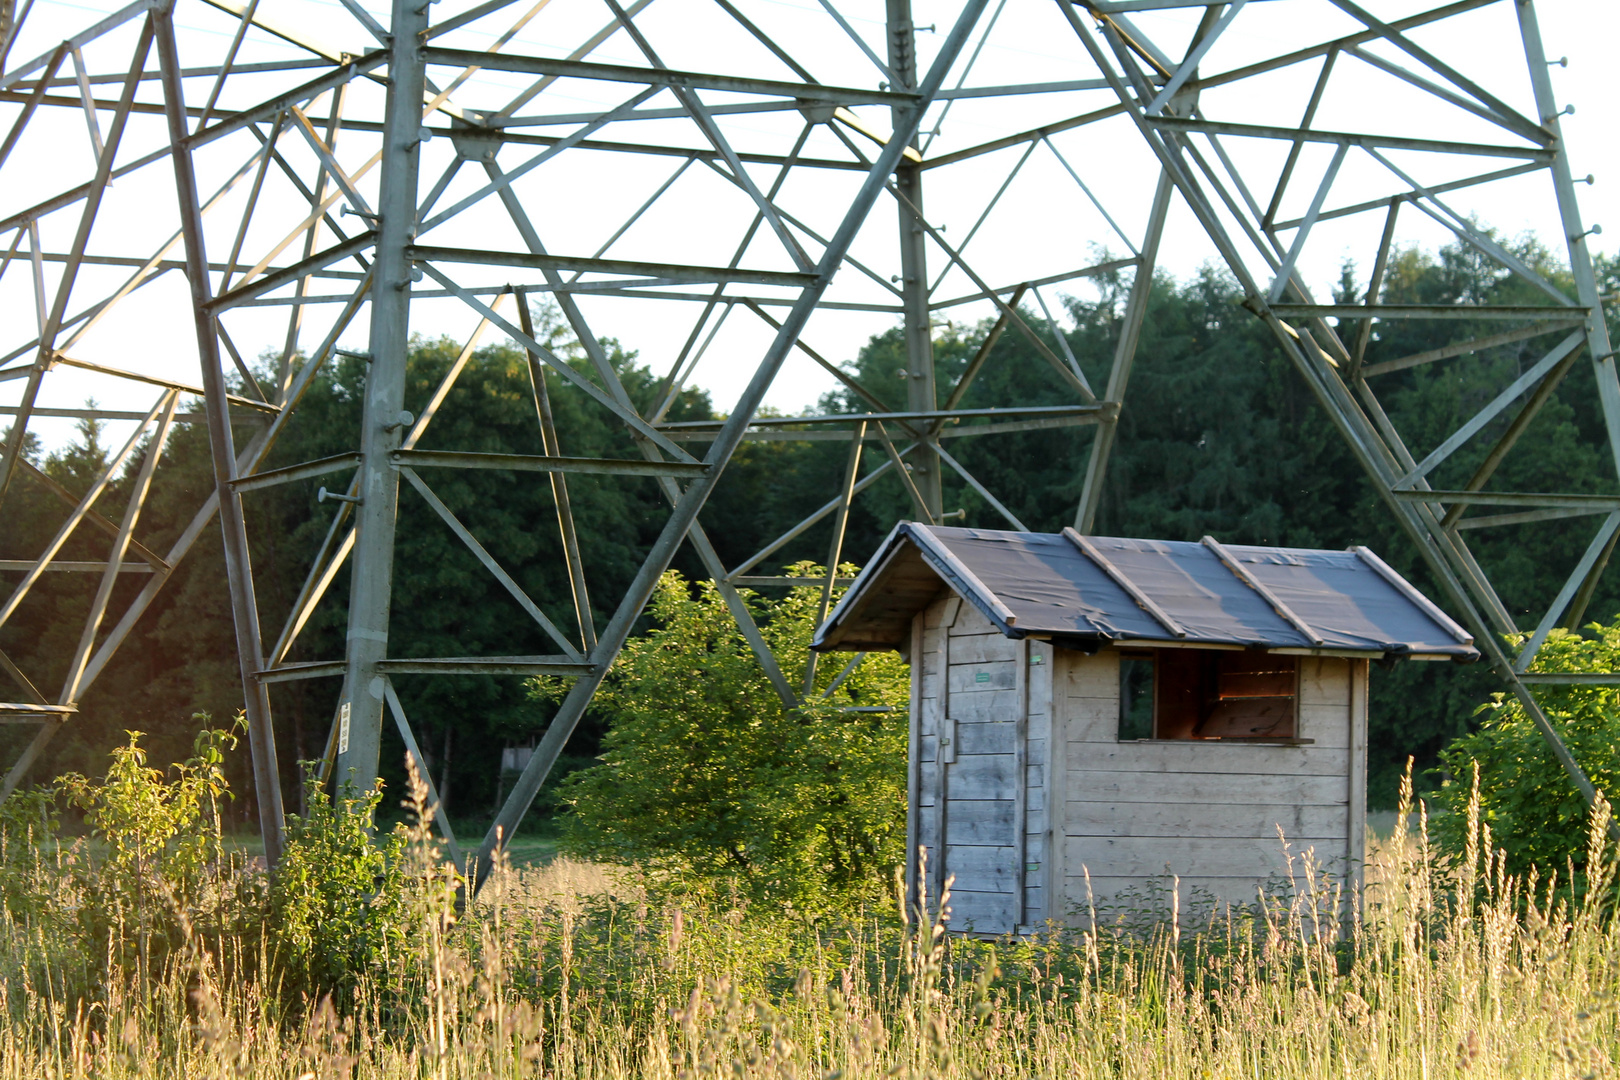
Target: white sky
x=1043, y=224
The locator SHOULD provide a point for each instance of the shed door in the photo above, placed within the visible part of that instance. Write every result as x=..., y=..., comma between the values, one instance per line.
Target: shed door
x=981, y=761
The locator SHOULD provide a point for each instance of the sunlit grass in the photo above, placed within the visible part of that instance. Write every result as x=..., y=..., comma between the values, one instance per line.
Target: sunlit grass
x=570, y=969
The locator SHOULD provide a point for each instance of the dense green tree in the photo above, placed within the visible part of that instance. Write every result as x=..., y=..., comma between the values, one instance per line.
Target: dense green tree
x=1219, y=435
x=182, y=657
x=444, y=601
x=705, y=771
x=1533, y=810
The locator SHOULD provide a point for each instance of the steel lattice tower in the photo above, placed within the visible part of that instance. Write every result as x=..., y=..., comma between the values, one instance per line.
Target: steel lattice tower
x=358, y=170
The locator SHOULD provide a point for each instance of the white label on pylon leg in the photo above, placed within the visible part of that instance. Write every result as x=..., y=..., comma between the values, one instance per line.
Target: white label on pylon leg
x=343, y=728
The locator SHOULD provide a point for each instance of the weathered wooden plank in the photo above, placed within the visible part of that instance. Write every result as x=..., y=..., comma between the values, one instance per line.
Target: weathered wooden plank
x=928, y=785
x=1325, y=725
x=929, y=709
x=1124, y=819
x=1057, y=777
x=916, y=761
x=978, y=678
x=1040, y=726
x=992, y=648
x=981, y=913
x=984, y=706
x=1357, y=839
x=1324, y=680
x=970, y=620
x=1037, y=751
x=1185, y=856
x=980, y=821
x=1021, y=768
x=1209, y=756
x=1212, y=788
x=1092, y=720
x=946, y=730
x=1040, y=678
x=928, y=748
x=1089, y=676
x=982, y=776
x=942, y=612
x=995, y=737
x=1034, y=776
x=981, y=868
x=1034, y=905
x=1198, y=893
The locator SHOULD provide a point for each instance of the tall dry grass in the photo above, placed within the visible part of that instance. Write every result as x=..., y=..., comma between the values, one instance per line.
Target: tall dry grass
x=573, y=970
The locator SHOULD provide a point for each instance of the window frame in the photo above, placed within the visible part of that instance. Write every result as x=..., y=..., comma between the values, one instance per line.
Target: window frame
x=1156, y=654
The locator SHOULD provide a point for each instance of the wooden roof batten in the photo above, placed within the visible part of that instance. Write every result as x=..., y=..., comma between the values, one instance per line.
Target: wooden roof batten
x=1067, y=588
x=1230, y=561
x=1143, y=600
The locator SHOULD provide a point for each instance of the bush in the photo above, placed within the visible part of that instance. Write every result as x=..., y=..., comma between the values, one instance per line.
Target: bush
x=155, y=894
x=153, y=885
x=1533, y=810
x=706, y=773
x=29, y=820
x=338, y=896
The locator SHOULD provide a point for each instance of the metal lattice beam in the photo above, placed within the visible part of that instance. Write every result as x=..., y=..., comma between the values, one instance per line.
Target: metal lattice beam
x=465, y=159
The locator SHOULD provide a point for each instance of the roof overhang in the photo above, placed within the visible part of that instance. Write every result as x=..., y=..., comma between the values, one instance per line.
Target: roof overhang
x=1088, y=592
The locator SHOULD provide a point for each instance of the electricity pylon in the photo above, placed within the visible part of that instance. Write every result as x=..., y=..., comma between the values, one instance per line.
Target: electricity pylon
x=754, y=176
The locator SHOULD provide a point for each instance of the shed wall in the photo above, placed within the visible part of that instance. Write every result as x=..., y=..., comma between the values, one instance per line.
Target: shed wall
x=1208, y=812
x=982, y=728
x=1004, y=732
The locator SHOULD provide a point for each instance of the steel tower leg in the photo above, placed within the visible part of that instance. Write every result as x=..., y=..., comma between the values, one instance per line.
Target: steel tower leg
x=382, y=427
x=1441, y=548
x=918, y=323
x=1580, y=256
x=238, y=561
x=1085, y=518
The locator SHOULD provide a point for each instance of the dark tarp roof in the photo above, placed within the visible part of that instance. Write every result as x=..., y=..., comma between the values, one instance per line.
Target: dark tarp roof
x=1099, y=588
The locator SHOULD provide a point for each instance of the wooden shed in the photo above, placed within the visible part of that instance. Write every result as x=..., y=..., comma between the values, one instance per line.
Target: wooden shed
x=1130, y=709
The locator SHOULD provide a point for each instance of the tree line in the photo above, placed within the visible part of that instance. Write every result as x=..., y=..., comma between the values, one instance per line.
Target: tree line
x=1218, y=436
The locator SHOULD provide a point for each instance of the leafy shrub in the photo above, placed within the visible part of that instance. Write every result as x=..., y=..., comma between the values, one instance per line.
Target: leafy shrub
x=337, y=899
x=29, y=820
x=1533, y=810
x=151, y=886
x=156, y=893
x=706, y=773
x=150, y=825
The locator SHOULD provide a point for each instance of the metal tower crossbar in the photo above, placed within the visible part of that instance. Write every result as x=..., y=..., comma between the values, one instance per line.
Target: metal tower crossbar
x=751, y=179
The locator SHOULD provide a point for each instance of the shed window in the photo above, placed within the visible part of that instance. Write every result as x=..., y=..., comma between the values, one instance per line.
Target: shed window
x=1207, y=694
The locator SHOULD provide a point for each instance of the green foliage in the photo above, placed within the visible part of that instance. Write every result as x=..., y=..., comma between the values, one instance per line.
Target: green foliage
x=337, y=899
x=705, y=773
x=29, y=821
x=152, y=885
x=1218, y=435
x=1445, y=969
x=150, y=824
x=156, y=889
x=1533, y=811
